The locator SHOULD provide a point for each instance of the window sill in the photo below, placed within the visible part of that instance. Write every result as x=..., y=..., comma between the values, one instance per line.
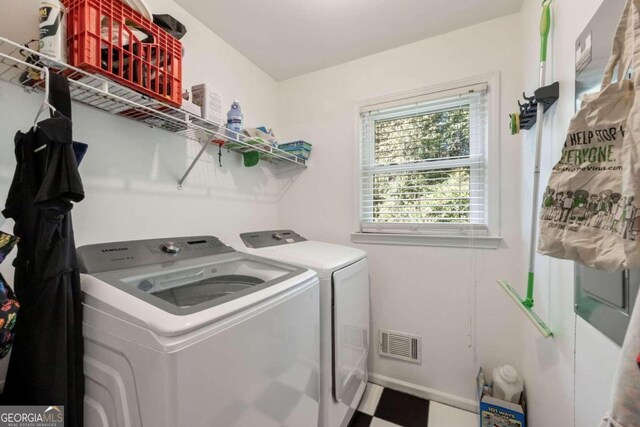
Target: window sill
x=477, y=242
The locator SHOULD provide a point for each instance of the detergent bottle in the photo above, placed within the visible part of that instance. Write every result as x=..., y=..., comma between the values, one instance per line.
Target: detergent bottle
x=234, y=117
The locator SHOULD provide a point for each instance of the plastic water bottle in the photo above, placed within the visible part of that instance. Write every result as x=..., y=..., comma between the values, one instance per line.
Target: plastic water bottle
x=507, y=384
x=234, y=118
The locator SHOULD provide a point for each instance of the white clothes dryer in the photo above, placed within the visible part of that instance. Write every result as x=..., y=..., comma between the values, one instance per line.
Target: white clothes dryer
x=344, y=313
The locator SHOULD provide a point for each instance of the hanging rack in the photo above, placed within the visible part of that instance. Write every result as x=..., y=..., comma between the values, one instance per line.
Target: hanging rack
x=527, y=113
x=107, y=96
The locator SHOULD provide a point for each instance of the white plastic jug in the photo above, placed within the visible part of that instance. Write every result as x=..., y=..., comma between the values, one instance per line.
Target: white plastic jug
x=507, y=384
x=234, y=117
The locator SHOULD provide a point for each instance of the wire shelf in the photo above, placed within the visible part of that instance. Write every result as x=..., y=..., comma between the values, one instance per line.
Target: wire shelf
x=24, y=67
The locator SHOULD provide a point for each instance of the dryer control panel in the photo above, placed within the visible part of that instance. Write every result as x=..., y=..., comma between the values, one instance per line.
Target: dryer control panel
x=120, y=255
x=265, y=239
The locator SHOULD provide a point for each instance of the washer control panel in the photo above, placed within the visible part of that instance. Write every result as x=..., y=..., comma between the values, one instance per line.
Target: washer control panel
x=121, y=255
x=265, y=239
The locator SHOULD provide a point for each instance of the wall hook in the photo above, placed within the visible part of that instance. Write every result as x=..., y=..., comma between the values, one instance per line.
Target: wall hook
x=527, y=115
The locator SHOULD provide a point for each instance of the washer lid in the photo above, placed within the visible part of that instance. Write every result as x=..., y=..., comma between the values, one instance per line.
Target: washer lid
x=324, y=258
x=173, y=285
x=192, y=285
x=176, y=298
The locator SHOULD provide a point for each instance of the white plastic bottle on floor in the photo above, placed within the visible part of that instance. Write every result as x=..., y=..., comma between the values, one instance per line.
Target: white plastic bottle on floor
x=507, y=384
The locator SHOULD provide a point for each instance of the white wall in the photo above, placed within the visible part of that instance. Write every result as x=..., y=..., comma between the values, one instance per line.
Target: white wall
x=596, y=364
x=425, y=291
x=554, y=391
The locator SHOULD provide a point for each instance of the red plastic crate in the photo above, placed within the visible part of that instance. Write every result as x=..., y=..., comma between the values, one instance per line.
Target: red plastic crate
x=107, y=37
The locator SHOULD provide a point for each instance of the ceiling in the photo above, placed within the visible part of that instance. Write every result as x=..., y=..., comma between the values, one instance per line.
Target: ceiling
x=287, y=38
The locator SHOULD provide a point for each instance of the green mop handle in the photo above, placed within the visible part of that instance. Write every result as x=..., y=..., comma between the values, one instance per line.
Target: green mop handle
x=545, y=26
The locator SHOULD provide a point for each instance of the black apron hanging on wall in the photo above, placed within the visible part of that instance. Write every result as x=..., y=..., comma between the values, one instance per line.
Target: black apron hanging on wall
x=46, y=361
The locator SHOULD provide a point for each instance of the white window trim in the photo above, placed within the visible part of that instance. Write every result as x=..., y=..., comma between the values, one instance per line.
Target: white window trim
x=467, y=236
x=422, y=239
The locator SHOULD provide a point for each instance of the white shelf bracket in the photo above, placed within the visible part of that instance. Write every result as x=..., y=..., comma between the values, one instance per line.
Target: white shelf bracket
x=205, y=145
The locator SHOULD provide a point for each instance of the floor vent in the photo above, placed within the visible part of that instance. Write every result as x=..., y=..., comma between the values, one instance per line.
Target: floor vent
x=400, y=346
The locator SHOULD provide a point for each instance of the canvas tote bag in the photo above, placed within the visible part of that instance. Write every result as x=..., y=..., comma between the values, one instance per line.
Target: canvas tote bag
x=589, y=209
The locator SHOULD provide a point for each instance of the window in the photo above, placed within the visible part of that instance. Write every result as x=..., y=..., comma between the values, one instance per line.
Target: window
x=425, y=163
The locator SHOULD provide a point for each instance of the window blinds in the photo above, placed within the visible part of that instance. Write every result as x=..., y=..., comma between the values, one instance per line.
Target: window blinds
x=423, y=163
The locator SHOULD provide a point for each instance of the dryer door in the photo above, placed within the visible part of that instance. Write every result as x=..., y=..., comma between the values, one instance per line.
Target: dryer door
x=350, y=331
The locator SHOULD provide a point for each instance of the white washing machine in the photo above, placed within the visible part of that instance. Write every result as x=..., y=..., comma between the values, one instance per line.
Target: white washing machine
x=189, y=332
x=344, y=313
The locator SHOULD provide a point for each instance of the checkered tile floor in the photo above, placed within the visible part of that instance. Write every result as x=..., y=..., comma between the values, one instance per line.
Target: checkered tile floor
x=383, y=407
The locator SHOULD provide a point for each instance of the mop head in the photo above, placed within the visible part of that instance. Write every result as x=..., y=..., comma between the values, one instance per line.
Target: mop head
x=535, y=319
